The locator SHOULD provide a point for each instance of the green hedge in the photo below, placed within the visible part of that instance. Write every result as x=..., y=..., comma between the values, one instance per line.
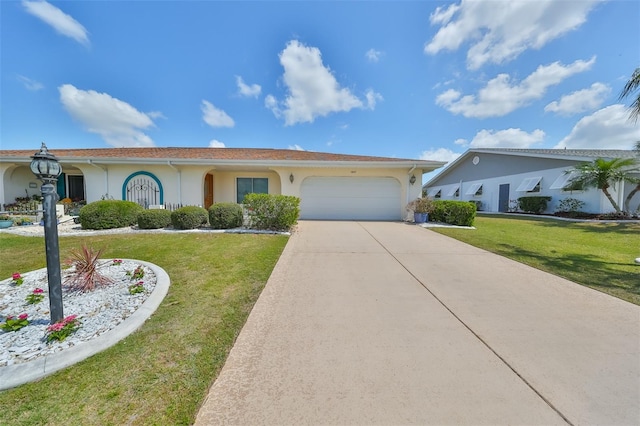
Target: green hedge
x=534, y=205
x=189, y=217
x=274, y=212
x=461, y=213
x=154, y=219
x=109, y=214
x=225, y=215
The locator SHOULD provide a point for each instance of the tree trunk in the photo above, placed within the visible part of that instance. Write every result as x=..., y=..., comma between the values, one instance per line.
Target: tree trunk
x=611, y=200
x=627, y=201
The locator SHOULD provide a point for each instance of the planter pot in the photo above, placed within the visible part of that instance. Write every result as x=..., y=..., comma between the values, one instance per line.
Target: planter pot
x=6, y=223
x=420, y=217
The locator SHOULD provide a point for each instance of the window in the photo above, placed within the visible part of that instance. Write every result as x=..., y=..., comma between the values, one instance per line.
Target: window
x=454, y=191
x=564, y=182
x=475, y=189
x=246, y=186
x=531, y=184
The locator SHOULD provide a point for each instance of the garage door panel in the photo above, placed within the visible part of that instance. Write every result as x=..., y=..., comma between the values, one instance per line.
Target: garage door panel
x=350, y=198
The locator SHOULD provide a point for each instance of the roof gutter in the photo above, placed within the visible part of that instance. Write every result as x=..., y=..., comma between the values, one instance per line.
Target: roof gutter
x=105, y=169
x=179, y=180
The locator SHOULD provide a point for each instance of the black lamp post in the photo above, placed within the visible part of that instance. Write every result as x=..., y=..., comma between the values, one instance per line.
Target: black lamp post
x=47, y=168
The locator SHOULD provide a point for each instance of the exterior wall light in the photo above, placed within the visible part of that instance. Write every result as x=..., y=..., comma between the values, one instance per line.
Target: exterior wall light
x=412, y=179
x=291, y=178
x=47, y=168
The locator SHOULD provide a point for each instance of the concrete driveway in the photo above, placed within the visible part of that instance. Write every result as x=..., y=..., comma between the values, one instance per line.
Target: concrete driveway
x=388, y=323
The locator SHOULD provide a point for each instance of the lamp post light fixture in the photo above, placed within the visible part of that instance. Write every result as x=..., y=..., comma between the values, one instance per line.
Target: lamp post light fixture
x=47, y=168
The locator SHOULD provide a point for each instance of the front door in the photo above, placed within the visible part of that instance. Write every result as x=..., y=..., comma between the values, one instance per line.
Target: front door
x=208, y=190
x=76, y=187
x=503, y=198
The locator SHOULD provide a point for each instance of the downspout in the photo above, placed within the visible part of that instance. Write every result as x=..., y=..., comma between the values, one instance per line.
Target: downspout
x=106, y=175
x=179, y=180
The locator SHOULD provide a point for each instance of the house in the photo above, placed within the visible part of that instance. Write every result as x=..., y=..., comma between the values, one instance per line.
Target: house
x=496, y=177
x=330, y=186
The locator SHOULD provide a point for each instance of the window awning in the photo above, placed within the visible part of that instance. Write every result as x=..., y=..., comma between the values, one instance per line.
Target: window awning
x=562, y=180
x=529, y=183
x=432, y=192
x=474, y=189
x=453, y=190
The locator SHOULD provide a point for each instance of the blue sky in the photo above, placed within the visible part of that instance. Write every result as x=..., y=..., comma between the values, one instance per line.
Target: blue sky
x=417, y=79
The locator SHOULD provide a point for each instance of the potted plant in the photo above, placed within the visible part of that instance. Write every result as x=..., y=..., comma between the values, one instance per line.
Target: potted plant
x=5, y=221
x=421, y=207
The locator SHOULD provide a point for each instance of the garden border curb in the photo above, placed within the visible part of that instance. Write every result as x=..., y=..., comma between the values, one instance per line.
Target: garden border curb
x=18, y=374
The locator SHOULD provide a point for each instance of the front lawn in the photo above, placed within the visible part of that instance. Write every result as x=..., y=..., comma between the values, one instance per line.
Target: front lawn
x=160, y=374
x=597, y=255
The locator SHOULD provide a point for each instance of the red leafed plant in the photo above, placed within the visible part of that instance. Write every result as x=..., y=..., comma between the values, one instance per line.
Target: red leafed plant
x=85, y=275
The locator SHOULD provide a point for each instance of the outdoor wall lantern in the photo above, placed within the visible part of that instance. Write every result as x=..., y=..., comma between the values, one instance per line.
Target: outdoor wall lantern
x=47, y=168
x=291, y=178
x=412, y=179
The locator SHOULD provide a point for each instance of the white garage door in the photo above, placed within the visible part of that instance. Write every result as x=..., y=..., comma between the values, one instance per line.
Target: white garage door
x=350, y=198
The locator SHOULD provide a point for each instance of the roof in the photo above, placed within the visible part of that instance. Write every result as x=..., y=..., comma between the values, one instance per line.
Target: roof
x=578, y=155
x=183, y=155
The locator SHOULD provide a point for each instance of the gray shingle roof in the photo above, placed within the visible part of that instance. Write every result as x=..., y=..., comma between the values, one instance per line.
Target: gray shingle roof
x=579, y=153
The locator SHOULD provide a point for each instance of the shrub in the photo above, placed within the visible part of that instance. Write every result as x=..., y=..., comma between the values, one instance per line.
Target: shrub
x=225, y=215
x=189, y=217
x=154, y=219
x=86, y=275
x=108, y=214
x=535, y=205
x=274, y=212
x=460, y=213
x=570, y=206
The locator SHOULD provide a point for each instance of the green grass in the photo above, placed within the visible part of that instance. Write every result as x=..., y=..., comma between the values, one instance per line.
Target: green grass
x=161, y=373
x=597, y=255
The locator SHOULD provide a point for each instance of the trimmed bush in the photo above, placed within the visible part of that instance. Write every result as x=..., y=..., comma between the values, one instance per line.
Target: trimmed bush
x=154, y=219
x=460, y=213
x=535, y=205
x=189, y=217
x=225, y=215
x=109, y=214
x=274, y=212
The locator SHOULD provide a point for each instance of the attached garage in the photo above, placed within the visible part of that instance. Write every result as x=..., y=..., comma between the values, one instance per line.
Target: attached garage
x=350, y=198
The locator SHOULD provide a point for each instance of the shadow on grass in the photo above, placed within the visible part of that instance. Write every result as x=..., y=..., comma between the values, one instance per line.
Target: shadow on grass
x=590, y=269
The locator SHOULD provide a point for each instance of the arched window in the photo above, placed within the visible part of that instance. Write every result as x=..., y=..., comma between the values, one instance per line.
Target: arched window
x=143, y=188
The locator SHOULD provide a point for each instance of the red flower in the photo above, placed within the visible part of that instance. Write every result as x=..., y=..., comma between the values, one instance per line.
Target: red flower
x=23, y=317
x=16, y=276
x=38, y=291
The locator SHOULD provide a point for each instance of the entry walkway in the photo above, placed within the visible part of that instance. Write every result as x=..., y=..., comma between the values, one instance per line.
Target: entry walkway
x=379, y=323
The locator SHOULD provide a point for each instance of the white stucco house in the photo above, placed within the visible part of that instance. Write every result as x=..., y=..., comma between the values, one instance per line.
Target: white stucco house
x=496, y=177
x=330, y=186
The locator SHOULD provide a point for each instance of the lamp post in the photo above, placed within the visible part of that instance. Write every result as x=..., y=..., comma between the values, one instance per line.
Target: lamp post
x=47, y=168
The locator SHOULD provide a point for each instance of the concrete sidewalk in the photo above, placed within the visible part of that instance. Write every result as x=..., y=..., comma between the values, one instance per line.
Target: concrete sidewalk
x=388, y=323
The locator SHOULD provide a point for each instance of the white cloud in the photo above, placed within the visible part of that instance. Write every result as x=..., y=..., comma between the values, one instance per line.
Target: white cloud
x=216, y=144
x=313, y=91
x=215, y=117
x=498, y=31
x=252, y=91
x=580, y=100
x=60, y=21
x=607, y=128
x=296, y=147
x=509, y=138
x=372, y=98
x=117, y=122
x=501, y=96
x=30, y=84
x=461, y=142
x=373, y=55
x=439, y=154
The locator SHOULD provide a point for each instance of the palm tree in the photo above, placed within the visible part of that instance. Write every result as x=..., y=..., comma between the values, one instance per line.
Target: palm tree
x=632, y=86
x=602, y=174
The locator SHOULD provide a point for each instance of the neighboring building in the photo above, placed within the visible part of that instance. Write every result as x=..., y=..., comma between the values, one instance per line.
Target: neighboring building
x=330, y=186
x=497, y=177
